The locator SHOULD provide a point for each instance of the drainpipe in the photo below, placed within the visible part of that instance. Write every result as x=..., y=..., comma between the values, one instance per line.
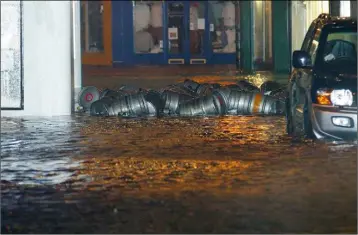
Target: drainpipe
x=76, y=53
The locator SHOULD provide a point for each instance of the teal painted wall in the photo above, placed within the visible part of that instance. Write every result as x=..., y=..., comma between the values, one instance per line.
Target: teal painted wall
x=281, y=26
x=246, y=37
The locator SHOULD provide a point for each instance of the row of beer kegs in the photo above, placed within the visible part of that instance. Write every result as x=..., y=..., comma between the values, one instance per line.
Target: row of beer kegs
x=188, y=98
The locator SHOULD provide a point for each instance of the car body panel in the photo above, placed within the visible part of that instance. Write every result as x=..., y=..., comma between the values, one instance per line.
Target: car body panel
x=319, y=75
x=323, y=126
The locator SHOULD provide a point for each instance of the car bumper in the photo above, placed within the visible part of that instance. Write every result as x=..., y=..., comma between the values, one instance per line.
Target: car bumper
x=323, y=126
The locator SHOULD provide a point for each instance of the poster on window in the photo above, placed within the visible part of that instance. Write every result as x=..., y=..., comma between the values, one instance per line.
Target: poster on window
x=11, y=55
x=173, y=33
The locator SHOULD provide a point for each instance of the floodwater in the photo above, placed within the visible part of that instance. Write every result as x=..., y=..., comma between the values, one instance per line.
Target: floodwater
x=84, y=174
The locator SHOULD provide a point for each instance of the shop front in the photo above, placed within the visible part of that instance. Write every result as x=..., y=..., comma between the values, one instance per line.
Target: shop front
x=177, y=32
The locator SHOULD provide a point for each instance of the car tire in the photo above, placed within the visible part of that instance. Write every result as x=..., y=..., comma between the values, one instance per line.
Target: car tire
x=307, y=122
x=289, y=128
x=291, y=119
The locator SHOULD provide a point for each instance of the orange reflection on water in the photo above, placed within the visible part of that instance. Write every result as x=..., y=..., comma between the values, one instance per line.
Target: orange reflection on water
x=138, y=174
x=242, y=129
x=223, y=80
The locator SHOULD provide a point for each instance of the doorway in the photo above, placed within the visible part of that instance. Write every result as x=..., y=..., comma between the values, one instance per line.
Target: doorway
x=186, y=31
x=201, y=32
x=181, y=32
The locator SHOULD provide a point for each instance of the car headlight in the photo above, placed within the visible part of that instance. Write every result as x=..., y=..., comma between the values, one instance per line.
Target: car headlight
x=337, y=97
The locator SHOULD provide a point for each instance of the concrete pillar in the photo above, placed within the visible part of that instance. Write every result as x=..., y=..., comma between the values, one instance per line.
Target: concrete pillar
x=46, y=59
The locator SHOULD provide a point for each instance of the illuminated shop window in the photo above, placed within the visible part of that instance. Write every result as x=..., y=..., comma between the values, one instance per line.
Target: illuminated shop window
x=147, y=27
x=222, y=19
x=262, y=35
x=345, y=8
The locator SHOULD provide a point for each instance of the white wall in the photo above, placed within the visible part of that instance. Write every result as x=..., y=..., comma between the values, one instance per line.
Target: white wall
x=314, y=9
x=345, y=8
x=47, y=59
x=298, y=27
x=303, y=13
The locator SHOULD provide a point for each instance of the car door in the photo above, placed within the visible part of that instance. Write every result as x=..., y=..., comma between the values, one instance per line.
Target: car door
x=305, y=45
x=312, y=51
x=303, y=76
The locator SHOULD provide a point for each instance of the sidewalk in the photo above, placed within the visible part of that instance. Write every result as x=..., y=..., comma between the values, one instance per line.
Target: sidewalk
x=160, y=76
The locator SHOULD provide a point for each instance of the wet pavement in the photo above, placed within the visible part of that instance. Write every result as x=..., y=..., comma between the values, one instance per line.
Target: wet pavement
x=242, y=174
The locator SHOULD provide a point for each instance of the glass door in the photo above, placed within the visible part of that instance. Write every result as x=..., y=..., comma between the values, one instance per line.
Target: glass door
x=198, y=31
x=187, y=32
x=177, y=43
x=96, y=32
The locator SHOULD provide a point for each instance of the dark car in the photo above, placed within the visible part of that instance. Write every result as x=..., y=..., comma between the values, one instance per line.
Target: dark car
x=322, y=91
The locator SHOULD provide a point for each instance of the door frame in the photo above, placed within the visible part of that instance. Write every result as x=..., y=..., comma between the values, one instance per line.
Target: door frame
x=105, y=57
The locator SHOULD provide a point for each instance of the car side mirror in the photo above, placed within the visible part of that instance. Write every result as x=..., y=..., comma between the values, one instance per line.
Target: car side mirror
x=301, y=59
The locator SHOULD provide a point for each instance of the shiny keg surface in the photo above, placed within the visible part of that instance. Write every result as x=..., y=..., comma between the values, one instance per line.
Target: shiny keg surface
x=238, y=174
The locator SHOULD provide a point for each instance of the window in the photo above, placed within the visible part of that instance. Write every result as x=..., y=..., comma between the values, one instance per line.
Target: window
x=340, y=51
x=222, y=19
x=148, y=27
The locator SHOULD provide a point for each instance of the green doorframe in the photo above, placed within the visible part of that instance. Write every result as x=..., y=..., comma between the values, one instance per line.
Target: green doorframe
x=246, y=52
x=354, y=9
x=334, y=8
x=281, y=33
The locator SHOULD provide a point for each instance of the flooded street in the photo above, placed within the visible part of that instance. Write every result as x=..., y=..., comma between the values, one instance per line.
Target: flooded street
x=173, y=175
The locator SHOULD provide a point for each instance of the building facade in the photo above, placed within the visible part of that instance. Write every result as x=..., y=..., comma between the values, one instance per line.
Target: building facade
x=254, y=35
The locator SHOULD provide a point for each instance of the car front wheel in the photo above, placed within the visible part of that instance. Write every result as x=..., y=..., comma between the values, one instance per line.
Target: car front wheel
x=307, y=122
x=291, y=117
